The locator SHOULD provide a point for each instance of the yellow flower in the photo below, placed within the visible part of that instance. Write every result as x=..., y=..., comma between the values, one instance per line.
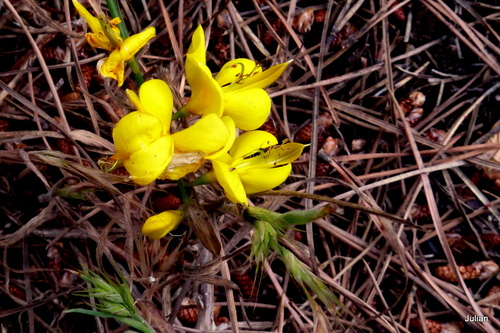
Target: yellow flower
x=114, y=66
x=110, y=40
x=245, y=99
x=206, y=94
x=98, y=38
x=159, y=225
x=254, y=164
x=148, y=151
x=237, y=91
x=142, y=137
x=209, y=137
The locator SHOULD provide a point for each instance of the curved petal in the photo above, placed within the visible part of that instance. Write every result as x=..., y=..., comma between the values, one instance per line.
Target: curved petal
x=206, y=94
x=256, y=180
x=272, y=157
x=156, y=97
x=113, y=67
x=130, y=46
x=229, y=122
x=261, y=80
x=250, y=142
x=146, y=164
x=92, y=21
x=132, y=96
x=197, y=48
x=182, y=164
x=134, y=131
x=207, y=135
x=230, y=181
x=159, y=225
x=99, y=40
x=236, y=70
x=249, y=108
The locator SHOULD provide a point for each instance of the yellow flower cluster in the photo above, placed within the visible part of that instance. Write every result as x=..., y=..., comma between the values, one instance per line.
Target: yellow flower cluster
x=234, y=99
x=105, y=35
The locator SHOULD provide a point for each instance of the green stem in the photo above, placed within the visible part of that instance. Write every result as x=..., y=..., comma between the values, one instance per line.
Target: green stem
x=185, y=198
x=114, y=11
x=181, y=113
x=206, y=178
x=136, y=71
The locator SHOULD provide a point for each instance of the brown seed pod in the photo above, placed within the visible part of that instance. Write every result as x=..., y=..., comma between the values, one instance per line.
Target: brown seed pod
x=342, y=38
x=270, y=127
x=224, y=20
x=17, y=292
x=414, y=116
x=278, y=27
x=398, y=13
x=67, y=279
x=120, y=172
x=64, y=147
x=480, y=270
x=246, y=284
x=419, y=211
x=188, y=315
x=54, y=53
x=436, y=135
x=323, y=169
x=358, y=144
x=319, y=16
x=71, y=97
x=303, y=135
x=495, y=290
x=303, y=21
x=168, y=202
x=88, y=75
x=331, y=146
x=415, y=100
x=434, y=326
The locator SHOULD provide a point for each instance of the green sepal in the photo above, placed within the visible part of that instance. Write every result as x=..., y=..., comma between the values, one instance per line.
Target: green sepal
x=281, y=221
x=295, y=217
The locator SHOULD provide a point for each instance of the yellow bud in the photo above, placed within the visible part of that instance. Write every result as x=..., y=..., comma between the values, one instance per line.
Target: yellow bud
x=134, y=131
x=159, y=225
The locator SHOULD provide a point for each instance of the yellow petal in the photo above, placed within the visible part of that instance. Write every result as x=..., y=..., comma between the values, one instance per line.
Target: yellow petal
x=229, y=122
x=130, y=46
x=159, y=225
x=92, y=21
x=113, y=67
x=156, y=97
x=207, y=135
x=146, y=164
x=260, y=80
x=132, y=96
x=249, y=108
x=236, y=70
x=197, y=48
x=134, y=131
x=206, y=94
x=250, y=142
x=99, y=40
x=284, y=153
x=230, y=181
x=182, y=164
x=271, y=157
x=256, y=180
